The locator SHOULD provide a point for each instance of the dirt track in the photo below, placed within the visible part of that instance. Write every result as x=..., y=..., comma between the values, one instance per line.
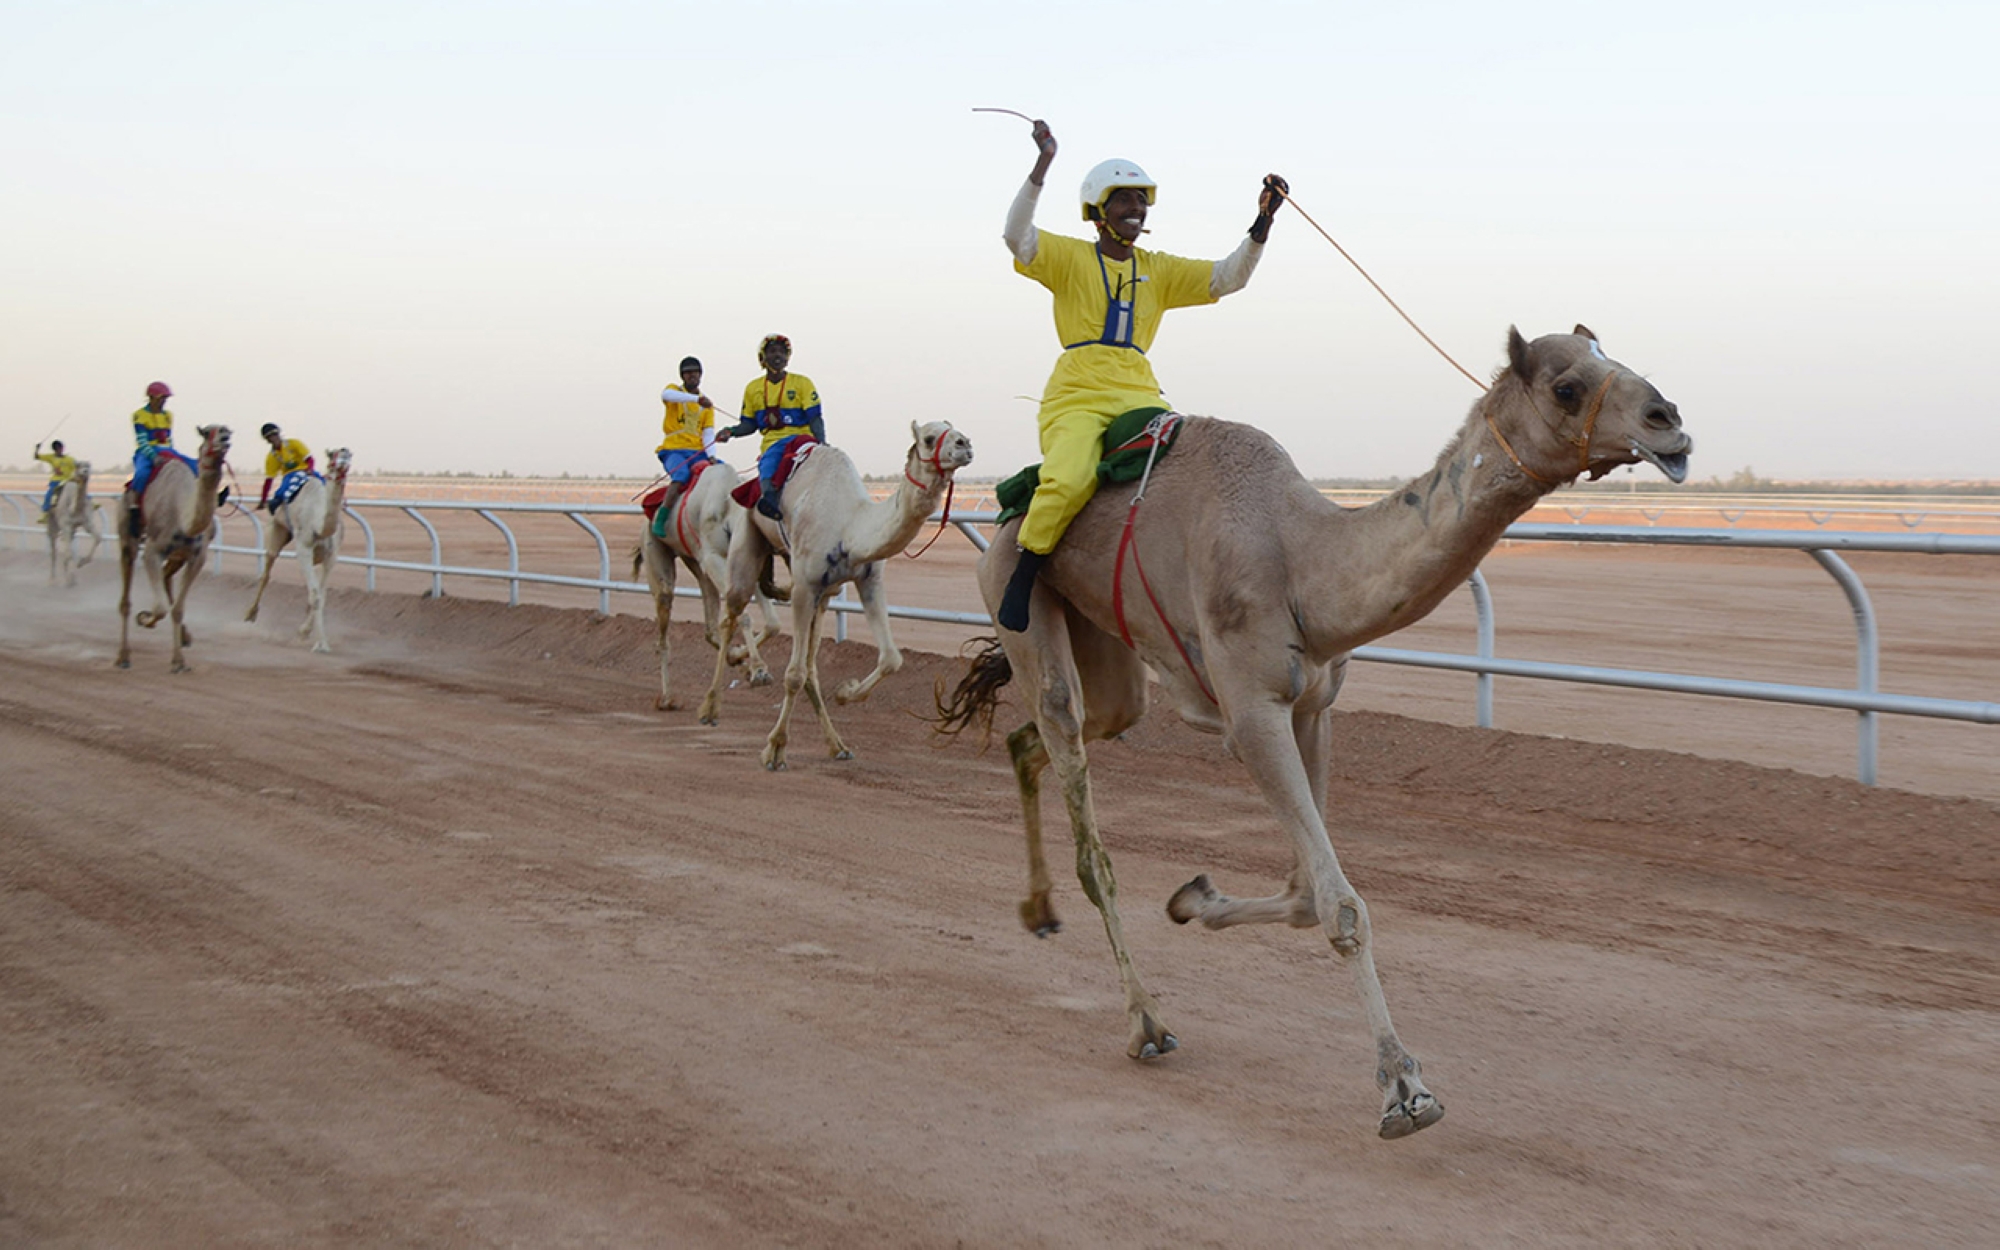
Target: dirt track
x=445, y=940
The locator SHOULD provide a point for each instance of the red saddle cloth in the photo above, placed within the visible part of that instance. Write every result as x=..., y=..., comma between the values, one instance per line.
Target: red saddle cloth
x=650, y=501
x=795, y=451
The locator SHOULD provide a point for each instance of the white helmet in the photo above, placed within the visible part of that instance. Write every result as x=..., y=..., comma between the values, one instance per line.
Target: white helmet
x=1107, y=177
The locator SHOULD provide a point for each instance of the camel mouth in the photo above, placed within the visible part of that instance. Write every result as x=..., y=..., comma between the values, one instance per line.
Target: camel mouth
x=1673, y=464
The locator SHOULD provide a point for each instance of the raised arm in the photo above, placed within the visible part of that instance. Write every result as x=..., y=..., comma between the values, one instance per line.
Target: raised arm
x=1020, y=230
x=1232, y=272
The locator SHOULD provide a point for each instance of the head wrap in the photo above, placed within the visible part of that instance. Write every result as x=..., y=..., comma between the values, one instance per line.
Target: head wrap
x=689, y=362
x=769, y=339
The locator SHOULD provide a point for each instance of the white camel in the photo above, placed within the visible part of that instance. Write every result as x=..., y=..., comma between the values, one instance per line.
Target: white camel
x=179, y=515
x=835, y=533
x=1245, y=591
x=70, y=513
x=700, y=525
x=312, y=519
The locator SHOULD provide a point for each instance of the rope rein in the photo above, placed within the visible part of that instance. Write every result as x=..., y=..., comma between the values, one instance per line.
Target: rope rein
x=951, y=487
x=1157, y=428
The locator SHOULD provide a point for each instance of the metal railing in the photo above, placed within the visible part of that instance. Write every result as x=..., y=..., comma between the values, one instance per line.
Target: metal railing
x=1865, y=698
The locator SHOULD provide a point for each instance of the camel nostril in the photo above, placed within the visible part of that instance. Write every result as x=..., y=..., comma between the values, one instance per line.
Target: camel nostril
x=1663, y=417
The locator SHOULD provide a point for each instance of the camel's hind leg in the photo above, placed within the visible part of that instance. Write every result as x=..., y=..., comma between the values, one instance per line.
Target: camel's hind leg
x=1024, y=748
x=874, y=597
x=660, y=578
x=315, y=623
x=128, y=552
x=1045, y=658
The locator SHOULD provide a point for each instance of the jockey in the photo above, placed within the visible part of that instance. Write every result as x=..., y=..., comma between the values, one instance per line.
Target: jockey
x=785, y=406
x=62, y=471
x=1109, y=297
x=286, y=457
x=689, y=426
x=152, y=432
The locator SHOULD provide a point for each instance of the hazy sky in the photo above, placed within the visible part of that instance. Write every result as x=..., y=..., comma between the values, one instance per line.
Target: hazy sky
x=481, y=236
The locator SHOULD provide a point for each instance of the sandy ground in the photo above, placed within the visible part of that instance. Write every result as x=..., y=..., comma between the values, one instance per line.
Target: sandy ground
x=447, y=939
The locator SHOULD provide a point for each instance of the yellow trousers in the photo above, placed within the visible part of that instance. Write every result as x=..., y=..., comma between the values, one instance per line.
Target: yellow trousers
x=1072, y=430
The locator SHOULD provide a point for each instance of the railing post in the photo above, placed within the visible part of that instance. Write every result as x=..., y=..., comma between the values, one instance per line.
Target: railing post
x=368, y=531
x=1482, y=607
x=437, y=551
x=603, y=563
x=1867, y=663
x=513, y=559
x=20, y=518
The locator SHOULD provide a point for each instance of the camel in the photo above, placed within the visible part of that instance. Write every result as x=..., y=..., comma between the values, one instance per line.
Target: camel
x=71, y=512
x=1245, y=591
x=179, y=513
x=700, y=526
x=312, y=518
x=830, y=524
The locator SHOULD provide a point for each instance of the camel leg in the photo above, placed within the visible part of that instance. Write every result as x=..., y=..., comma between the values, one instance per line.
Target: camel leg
x=801, y=675
x=661, y=572
x=1024, y=747
x=89, y=523
x=53, y=526
x=128, y=551
x=179, y=631
x=739, y=583
x=1264, y=738
x=156, y=577
x=315, y=622
x=874, y=595
x=274, y=542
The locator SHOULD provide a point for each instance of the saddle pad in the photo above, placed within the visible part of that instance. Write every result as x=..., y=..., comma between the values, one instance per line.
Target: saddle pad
x=1125, y=460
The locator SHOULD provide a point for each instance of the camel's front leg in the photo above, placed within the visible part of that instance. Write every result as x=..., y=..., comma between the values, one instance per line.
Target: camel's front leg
x=710, y=712
x=663, y=575
x=1263, y=737
x=275, y=539
x=875, y=604
x=1024, y=747
x=180, y=633
x=800, y=676
x=127, y=552
x=315, y=622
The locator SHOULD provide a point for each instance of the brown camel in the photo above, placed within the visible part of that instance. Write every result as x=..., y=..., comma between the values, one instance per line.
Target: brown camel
x=70, y=513
x=834, y=533
x=699, y=527
x=179, y=514
x=312, y=517
x=1245, y=591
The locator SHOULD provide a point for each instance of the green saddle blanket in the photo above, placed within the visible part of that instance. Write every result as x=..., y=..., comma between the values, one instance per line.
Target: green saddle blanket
x=1124, y=460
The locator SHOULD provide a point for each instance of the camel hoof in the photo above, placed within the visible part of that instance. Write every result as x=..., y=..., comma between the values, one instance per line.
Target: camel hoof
x=145, y=620
x=180, y=668
x=666, y=705
x=251, y=615
x=1155, y=1049
x=320, y=648
x=843, y=754
x=1405, y=1118
x=761, y=678
x=122, y=663
x=1038, y=916
x=1150, y=1039
x=1190, y=899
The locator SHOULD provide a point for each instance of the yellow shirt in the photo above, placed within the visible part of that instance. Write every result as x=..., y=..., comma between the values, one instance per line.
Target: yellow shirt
x=1083, y=284
x=781, y=409
x=153, y=428
x=281, y=460
x=683, y=425
x=61, y=468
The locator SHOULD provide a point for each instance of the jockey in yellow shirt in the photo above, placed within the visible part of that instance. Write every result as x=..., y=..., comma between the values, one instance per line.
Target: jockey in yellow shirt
x=785, y=406
x=286, y=457
x=1109, y=297
x=689, y=426
x=62, y=471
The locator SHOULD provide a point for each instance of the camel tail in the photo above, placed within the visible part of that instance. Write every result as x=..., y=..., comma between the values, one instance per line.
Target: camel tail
x=977, y=694
x=638, y=560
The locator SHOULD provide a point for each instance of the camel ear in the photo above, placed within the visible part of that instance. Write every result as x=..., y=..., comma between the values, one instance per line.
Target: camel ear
x=1583, y=331
x=1517, y=353
x=916, y=435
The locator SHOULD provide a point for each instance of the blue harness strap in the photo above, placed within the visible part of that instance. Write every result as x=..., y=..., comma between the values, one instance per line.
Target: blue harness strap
x=1117, y=330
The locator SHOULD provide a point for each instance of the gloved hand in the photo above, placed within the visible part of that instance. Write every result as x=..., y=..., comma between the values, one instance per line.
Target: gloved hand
x=1274, y=193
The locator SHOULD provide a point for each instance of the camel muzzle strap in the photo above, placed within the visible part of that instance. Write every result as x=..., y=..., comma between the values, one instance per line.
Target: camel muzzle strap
x=1581, y=442
x=936, y=463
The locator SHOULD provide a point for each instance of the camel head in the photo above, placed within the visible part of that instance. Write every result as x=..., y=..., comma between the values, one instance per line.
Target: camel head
x=337, y=461
x=214, y=445
x=938, y=447
x=83, y=470
x=1562, y=408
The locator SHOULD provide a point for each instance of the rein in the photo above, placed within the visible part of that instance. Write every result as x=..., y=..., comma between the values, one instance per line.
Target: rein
x=1581, y=442
x=1158, y=428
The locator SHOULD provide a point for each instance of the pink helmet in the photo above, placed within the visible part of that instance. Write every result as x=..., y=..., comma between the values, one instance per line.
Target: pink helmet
x=158, y=390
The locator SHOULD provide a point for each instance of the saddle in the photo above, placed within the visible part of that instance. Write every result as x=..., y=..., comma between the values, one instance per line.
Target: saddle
x=750, y=493
x=1128, y=445
x=651, y=502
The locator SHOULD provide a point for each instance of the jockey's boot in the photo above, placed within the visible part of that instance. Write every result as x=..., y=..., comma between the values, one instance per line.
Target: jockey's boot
x=1013, y=613
x=135, y=521
x=222, y=498
x=767, y=503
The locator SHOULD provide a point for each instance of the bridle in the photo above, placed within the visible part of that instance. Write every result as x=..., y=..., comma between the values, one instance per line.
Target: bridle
x=936, y=462
x=1581, y=442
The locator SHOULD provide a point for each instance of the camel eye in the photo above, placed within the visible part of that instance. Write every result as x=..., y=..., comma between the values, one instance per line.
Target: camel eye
x=1566, y=392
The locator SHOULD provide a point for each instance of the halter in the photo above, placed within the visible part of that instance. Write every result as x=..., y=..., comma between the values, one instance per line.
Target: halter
x=936, y=462
x=1581, y=442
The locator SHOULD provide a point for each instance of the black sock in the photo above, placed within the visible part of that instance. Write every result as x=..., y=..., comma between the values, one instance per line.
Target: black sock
x=1013, y=613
